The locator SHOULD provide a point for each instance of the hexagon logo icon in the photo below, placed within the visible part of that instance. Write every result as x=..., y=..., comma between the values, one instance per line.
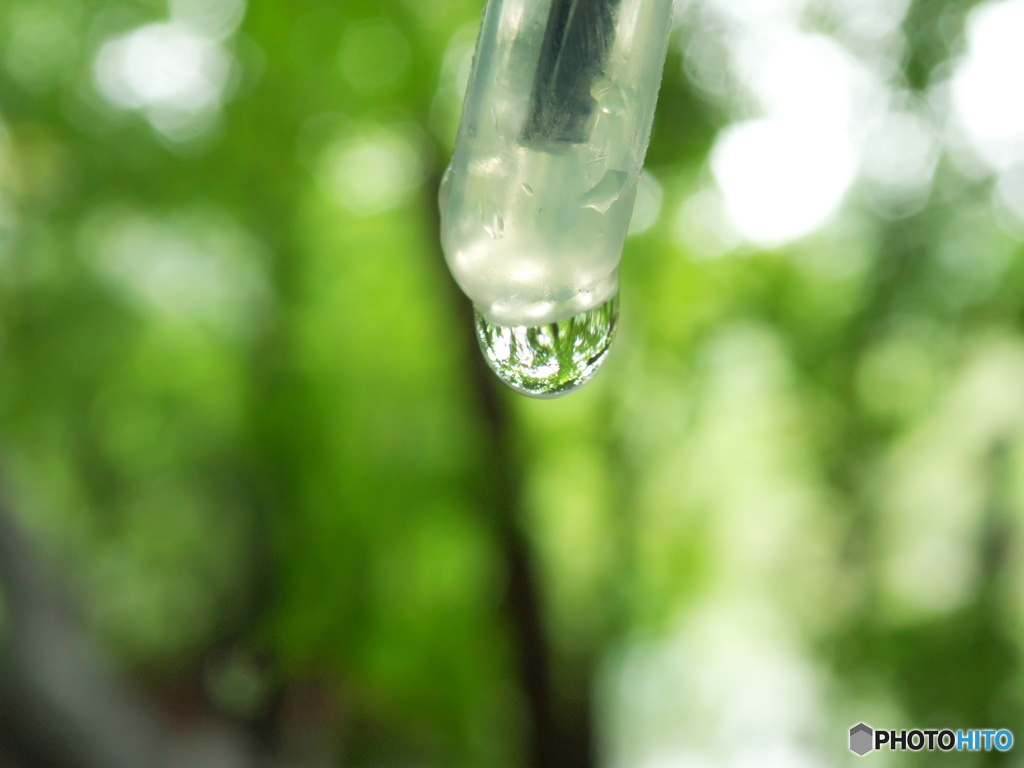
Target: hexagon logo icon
x=862, y=739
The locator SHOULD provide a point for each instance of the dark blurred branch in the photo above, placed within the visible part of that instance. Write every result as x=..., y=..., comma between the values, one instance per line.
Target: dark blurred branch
x=560, y=737
x=62, y=705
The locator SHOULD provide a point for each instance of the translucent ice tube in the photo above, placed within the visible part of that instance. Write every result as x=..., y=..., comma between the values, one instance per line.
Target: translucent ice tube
x=537, y=200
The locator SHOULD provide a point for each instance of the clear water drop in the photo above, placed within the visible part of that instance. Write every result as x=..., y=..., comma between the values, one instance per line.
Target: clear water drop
x=528, y=189
x=605, y=192
x=492, y=220
x=548, y=361
x=610, y=98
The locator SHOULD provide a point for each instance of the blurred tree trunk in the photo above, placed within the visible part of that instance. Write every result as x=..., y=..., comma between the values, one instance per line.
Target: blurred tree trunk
x=560, y=726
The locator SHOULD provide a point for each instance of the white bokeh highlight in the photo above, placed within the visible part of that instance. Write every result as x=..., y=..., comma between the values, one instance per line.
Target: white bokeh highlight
x=647, y=209
x=726, y=689
x=987, y=113
x=816, y=113
x=985, y=125
x=194, y=268
x=372, y=171
x=782, y=178
x=177, y=73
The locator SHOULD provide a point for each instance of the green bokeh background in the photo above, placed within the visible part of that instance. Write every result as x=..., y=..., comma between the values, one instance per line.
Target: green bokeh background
x=243, y=421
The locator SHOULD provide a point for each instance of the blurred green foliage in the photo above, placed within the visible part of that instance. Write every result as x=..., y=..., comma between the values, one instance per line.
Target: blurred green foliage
x=237, y=409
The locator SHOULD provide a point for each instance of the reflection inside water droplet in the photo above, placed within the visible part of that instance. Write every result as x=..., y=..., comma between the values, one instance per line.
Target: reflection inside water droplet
x=550, y=360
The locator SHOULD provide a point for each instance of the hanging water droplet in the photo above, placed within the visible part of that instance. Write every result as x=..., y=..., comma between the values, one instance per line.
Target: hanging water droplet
x=610, y=98
x=555, y=126
x=551, y=360
x=492, y=220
